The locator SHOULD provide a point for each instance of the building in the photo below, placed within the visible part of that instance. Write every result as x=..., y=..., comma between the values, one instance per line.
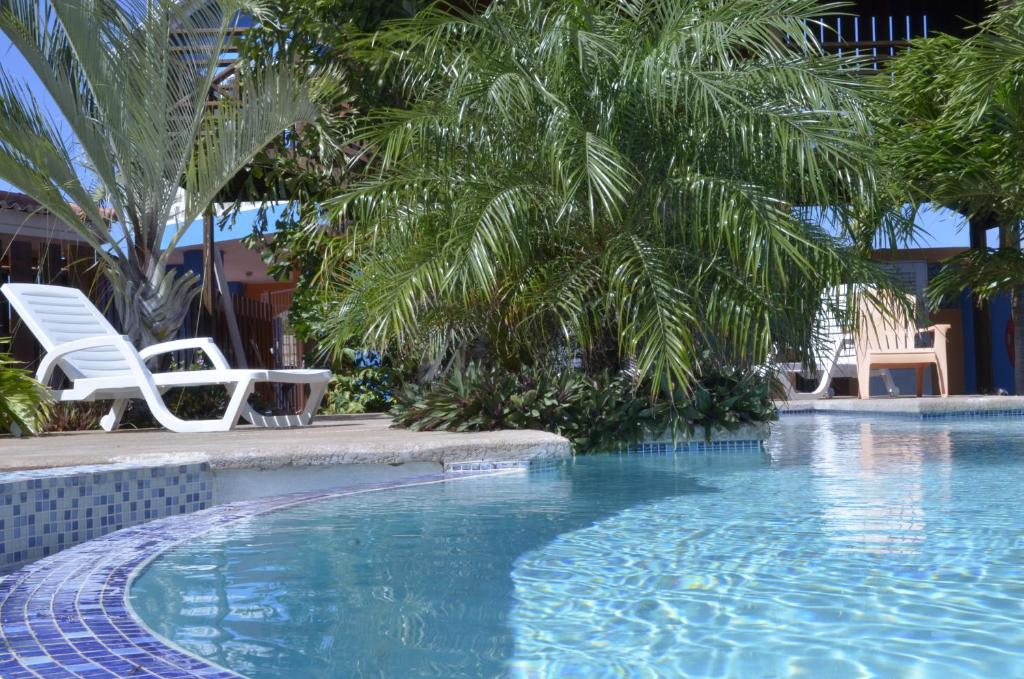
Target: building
x=36, y=246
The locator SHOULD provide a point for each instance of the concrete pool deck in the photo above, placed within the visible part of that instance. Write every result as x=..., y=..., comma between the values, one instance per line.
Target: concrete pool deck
x=370, y=439
x=58, y=490
x=364, y=439
x=911, y=406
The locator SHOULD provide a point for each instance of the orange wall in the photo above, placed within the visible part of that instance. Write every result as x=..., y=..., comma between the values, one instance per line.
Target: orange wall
x=256, y=290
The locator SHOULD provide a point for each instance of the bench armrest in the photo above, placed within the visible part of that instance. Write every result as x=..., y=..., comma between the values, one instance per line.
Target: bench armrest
x=939, y=329
x=205, y=344
x=49, y=362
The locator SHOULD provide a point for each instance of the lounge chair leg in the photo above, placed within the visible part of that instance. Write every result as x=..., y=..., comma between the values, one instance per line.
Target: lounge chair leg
x=301, y=419
x=239, y=397
x=316, y=394
x=238, y=404
x=863, y=379
x=112, y=419
x=943, y=379
x=823, y=384
x=890, y=385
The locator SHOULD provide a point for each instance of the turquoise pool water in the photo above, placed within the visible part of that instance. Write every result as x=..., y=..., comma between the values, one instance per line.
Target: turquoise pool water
x=885, y=549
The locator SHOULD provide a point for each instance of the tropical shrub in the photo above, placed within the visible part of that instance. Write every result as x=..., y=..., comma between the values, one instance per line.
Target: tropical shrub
x=612, y=178
x=306, y=169
x=191, y=404
x=596, y=412
x=723, y=397
x=77, y=416
x=361, y=382
x=24, y=403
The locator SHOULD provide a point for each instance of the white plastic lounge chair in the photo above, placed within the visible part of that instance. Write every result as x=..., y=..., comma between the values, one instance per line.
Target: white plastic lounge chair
x=102, y=364
x=892, y=340
x=836, y=356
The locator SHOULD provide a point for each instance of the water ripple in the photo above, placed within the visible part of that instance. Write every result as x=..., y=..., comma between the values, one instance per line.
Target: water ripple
x=852, y=549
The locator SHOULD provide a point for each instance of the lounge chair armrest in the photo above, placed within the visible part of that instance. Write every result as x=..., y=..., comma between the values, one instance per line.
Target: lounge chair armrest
x=49, y=362
x=938, y=329
x=205, y=344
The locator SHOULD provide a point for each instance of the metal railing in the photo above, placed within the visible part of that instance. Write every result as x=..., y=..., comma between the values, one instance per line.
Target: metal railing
x=874, y=39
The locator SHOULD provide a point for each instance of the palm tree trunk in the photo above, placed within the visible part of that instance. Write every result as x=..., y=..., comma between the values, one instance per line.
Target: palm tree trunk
x=208, y=308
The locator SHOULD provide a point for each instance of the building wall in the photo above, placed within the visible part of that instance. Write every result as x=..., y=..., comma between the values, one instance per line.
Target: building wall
x=35, y=247
x=241, y=265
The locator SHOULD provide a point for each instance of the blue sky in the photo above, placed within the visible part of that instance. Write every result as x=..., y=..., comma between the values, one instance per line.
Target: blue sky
x=943, y=228
x=241, y=227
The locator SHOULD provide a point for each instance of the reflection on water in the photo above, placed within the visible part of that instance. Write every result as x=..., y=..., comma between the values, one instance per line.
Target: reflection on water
x=849, y=549
x=883, y=550
x=413, y=582
x=872, y=491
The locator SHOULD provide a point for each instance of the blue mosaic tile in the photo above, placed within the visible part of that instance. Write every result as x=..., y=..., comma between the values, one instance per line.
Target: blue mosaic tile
x=547, y=464
x=68, y=615
x=972, y=414
x=485, y=466
x=45, y=510
x=700, y=446
x=950, y=415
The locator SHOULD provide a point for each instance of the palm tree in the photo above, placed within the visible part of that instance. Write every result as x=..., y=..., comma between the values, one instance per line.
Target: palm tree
x=618, y=177
x=951, y=128
x=132, y=79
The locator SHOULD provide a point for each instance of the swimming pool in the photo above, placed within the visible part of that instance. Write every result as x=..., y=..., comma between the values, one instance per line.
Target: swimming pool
x=890, y=548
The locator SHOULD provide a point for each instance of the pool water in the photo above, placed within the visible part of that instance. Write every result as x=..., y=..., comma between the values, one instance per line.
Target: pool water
x=886, y=549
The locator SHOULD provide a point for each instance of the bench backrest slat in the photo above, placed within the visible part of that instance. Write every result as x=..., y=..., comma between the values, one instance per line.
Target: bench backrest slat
x=57, y=315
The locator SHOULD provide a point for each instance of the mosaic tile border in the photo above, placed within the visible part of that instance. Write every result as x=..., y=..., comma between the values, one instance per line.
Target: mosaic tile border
x=45, y=511
x=972, y=414
x=464, y=466
x=670, y=448
x=68, y=615
x=950, y=415
x=798, y=411
x=547, y=464
x=48, y=472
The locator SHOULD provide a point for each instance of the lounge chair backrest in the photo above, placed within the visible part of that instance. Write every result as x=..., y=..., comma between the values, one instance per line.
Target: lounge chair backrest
x=830, y=331
x=57, y=315
x=893, y=331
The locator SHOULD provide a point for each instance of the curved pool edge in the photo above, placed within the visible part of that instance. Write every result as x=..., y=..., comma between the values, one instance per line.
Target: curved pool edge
x=69, y=615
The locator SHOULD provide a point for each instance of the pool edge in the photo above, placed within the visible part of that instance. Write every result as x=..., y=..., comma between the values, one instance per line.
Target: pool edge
x=47, y=625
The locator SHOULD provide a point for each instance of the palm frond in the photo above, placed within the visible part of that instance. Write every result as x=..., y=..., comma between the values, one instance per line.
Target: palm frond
x=132, y=80
x=617, y=178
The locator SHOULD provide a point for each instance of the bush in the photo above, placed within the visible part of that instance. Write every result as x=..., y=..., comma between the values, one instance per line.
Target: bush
x=24, y=403
x=76, y=416
x=595, y=412
x=362, y=381
x=723, y=396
